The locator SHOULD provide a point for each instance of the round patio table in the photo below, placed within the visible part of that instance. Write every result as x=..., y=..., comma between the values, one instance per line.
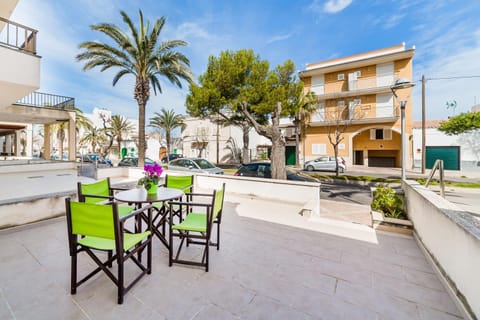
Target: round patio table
x=139, y=196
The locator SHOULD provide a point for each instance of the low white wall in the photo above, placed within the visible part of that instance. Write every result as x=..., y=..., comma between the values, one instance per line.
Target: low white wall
x=452, y=238
x=305, y=193
x=28, y=211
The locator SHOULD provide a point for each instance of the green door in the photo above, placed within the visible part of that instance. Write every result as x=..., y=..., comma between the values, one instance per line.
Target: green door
x=290, y=155
x=449, y=154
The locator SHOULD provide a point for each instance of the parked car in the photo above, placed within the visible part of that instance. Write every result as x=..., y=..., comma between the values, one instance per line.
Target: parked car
x=172, y=156
x=263, y=170
x=133, y=162
x=326, y=163
x=194, y=165
x=96, y=158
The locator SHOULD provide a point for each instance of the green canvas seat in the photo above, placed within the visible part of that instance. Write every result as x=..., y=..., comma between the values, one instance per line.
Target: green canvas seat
x=99, y=227
x=184, y=183
x=197, y=224
x=100, y=192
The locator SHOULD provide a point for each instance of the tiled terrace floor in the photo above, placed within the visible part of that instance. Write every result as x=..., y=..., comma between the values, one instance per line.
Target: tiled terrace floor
x=264, y=270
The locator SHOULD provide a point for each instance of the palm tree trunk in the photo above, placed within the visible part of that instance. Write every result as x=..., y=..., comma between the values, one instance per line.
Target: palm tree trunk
x=141, y=134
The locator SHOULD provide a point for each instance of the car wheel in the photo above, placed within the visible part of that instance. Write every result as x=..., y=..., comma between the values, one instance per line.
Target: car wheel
x=310, y=168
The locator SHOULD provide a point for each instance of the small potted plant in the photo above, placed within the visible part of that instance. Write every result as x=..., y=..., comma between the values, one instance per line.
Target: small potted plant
x=388, y=212
x=152, y=173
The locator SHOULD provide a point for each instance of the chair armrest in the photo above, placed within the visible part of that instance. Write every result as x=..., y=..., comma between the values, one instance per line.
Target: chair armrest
x=97, y=196
x=135, y=212
x=190, y=204
x=198, y=194
x=118, y=189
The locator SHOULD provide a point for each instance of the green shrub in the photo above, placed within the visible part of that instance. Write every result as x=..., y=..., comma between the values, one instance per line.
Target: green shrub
x=385, y=200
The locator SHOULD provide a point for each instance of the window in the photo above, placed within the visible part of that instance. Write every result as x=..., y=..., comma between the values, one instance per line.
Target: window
x=319, y=148
x=341, y=104
x=357, y=102
x=380, y=134
x=358, y=73
x=340, y=76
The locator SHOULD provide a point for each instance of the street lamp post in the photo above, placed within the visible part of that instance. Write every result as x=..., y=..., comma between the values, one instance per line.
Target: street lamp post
x=402, y=83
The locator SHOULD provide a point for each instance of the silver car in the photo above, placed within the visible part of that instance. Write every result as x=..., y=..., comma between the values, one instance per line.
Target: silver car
x=194, y=165
x=326, y=163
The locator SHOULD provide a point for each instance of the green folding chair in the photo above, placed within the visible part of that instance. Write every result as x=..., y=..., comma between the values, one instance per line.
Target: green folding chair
x=184, y=183
x=100, y=228
x=100, y=192
x=196, y=227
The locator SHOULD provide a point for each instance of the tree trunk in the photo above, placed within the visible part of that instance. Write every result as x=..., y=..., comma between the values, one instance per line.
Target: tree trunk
x=278, y=146
x=278, y=157
x=119, y=142
x=246, y=142
x=141, y=135
x=141, y=94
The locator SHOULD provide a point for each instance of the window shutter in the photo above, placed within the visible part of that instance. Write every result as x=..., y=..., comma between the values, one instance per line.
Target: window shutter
x=387, y=134
x=373, y=134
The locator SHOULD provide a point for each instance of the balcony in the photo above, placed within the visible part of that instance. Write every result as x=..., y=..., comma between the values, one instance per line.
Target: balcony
x=39, y=108
x=47, y=100
x=360, y=114
x=355, y=86
x=19, y=61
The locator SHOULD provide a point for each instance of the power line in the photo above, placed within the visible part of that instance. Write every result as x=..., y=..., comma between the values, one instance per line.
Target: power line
x=452, y=78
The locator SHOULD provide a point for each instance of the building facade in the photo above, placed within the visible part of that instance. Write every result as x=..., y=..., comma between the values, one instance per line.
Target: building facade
x=356, y=103
x=204, y=138
x=20, y=105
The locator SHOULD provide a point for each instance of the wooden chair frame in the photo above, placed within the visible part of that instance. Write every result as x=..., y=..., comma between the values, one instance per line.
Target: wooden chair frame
x=120, y=256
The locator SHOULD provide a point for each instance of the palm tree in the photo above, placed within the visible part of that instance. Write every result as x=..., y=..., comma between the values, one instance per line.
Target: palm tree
x=167, y=121
x=94, y=136
x=120, y=127
x=304, y=107
x=81, y=121
x=142, y=55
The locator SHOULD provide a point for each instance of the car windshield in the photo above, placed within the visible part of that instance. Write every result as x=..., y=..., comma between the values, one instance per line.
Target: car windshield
x=203, y=164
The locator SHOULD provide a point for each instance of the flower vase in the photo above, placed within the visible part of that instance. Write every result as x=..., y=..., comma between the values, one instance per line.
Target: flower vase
x=151, y=188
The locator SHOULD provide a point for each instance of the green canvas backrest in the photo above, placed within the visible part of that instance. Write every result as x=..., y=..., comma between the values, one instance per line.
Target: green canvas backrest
x=218, y=205
x=99, y=188
x=179, y=182
x=94, y=220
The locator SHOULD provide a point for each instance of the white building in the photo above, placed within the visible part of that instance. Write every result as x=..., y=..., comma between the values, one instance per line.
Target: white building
x=468, y=143
x=200, y=140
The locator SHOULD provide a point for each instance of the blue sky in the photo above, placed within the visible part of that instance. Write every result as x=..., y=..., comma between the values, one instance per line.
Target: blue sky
x=445, y=33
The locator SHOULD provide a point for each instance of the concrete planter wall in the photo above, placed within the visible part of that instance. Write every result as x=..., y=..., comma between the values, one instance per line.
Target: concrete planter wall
x=451, y=238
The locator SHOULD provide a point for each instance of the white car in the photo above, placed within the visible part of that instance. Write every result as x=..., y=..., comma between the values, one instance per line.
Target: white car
x=194, y=165
x=326, y=163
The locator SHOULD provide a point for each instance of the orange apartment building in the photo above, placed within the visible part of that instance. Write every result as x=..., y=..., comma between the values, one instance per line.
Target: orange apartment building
x=354, y=95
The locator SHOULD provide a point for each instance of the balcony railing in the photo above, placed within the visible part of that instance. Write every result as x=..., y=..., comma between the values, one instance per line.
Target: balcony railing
x=17, y=36
x=40, y=99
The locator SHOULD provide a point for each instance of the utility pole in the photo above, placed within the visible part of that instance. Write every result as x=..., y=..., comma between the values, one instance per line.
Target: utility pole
x=423, y=124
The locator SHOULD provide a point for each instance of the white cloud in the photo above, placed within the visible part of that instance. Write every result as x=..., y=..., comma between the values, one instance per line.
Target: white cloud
x=458, y=65
x=334, y=6
x=279, y=37
x=191, y=30
x=393, y=21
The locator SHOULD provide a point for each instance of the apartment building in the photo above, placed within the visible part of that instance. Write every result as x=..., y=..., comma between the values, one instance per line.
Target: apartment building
x=355, y=100
x=20, y=105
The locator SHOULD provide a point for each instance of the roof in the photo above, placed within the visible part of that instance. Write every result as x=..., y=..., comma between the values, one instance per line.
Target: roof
x=361, y=59
x=428, y=124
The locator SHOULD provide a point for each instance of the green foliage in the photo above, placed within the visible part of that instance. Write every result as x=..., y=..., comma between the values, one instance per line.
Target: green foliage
x=385, y=200
x=139, y=53
x=464, y=122
x=167, y=120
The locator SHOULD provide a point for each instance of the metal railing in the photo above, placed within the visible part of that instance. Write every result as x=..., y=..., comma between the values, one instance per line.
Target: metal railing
x=437, y=166
x=17, y=36
x=40, y=99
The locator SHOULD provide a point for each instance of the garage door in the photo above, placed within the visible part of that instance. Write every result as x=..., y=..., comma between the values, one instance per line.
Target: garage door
x=386, y=162
x=449, y=154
